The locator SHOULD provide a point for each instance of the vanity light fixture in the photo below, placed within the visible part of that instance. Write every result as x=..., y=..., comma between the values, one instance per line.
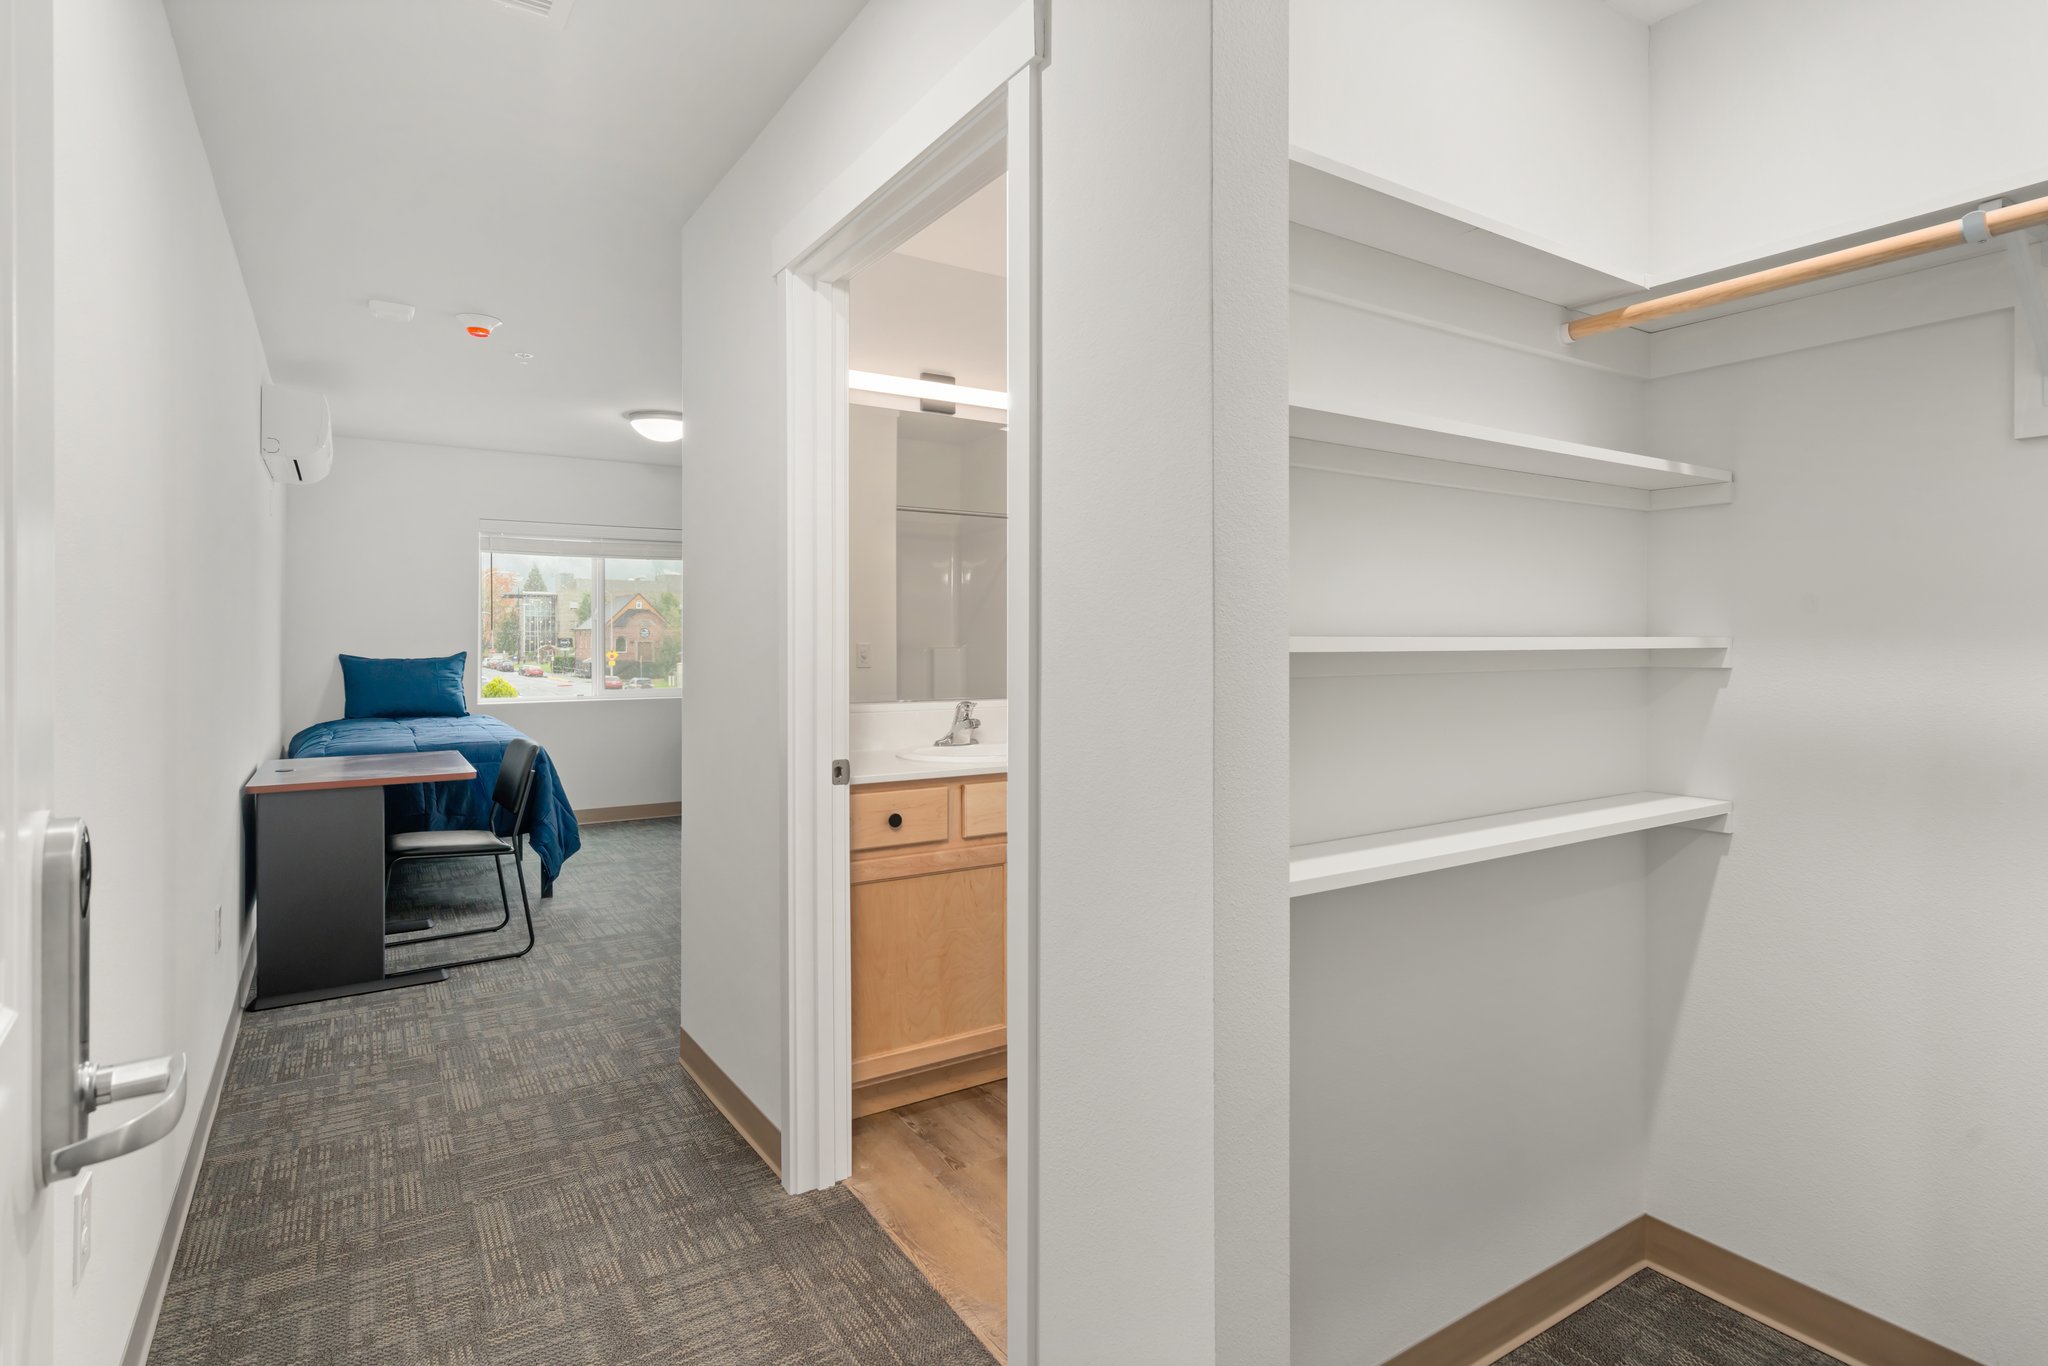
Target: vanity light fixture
x=869, y=382
x=656, y=424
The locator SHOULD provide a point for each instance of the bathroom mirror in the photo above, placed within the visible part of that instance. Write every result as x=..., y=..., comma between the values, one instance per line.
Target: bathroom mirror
x=928, y=546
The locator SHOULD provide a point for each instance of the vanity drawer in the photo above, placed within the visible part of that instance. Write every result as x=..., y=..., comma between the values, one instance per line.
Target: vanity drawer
x=883, y=820
x=982, y=809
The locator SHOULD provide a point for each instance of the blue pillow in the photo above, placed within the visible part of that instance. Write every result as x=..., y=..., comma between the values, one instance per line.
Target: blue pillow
x=402, y=687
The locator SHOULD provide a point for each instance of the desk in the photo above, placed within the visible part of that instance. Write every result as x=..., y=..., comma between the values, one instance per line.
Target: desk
x=320, y=872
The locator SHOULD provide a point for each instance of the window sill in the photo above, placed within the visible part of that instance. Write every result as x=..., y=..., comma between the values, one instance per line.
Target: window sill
x=615, y=695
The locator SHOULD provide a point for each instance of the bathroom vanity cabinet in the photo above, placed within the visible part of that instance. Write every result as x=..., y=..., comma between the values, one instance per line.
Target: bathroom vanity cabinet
x=928, y=938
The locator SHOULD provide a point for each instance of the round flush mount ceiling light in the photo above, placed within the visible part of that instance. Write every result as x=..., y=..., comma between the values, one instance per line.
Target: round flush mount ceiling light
x=479, y=325
x=656, y=424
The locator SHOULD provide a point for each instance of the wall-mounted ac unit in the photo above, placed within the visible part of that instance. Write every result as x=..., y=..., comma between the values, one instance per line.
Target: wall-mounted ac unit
x=298, y=434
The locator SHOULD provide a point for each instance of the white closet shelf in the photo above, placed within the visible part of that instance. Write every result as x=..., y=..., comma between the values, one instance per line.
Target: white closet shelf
x=1328, y=866
x=1369, y=645
x=1390, y=444
x=1331, y=196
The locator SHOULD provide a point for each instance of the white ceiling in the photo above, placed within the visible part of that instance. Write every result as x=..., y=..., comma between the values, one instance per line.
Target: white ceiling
x=1650, y=11
x=461, y=156
x=971, y=235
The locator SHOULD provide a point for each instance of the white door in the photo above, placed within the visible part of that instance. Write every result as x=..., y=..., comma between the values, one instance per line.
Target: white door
x=28, y=1226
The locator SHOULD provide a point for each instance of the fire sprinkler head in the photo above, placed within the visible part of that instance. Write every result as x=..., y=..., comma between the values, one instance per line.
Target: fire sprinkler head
x=479, y=324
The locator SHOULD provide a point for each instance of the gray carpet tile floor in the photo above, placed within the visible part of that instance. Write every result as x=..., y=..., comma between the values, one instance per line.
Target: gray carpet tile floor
x=512, y=1167
x=1652, y=1320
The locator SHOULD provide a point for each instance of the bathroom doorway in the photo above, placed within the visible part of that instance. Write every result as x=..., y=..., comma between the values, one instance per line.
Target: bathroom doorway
x=911, y=479
x=928, y=746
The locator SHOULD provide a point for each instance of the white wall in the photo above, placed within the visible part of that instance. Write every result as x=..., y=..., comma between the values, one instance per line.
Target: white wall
x=734, y=519
x=1847, y=1021
x=1469, y=1067
x=1530, y=113
x=1162, y=902
x=1775, y=126
x=168, y=556
x=906, y=315
x=381, y=560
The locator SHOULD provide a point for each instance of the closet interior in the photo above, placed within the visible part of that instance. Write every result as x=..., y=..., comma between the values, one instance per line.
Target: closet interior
x=1666, y=735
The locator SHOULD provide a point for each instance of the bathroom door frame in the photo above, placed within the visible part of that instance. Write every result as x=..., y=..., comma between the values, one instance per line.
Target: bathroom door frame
x=818, y=254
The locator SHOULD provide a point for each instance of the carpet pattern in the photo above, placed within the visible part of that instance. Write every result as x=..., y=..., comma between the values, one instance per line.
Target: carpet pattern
x=512, y=1167
x=1652, y=1320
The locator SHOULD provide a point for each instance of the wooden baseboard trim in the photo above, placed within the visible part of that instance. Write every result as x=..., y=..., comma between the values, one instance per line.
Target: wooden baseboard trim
x=1858, y=1337
x=891, y=1093
x=645, y=811
x=1502, y=1324
x=745, y=1117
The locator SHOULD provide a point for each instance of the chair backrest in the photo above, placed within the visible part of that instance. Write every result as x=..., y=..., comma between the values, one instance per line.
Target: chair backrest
x=514, y=788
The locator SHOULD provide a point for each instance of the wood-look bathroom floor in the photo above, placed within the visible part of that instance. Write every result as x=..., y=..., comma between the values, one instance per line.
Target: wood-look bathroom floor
x=935, y=1176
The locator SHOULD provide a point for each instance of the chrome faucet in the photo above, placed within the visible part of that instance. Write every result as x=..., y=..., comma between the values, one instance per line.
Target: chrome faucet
x=964, y=725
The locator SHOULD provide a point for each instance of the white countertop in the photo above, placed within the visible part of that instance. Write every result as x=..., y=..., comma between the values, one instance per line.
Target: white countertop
x=886, y=766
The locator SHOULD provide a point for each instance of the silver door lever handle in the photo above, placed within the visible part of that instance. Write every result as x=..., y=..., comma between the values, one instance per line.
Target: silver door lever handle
x=119, y=1082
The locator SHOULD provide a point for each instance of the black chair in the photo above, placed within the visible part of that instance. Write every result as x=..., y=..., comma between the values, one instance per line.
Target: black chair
x=512, y=793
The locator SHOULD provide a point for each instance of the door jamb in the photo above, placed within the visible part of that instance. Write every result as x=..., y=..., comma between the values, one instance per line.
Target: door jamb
x=999, y=136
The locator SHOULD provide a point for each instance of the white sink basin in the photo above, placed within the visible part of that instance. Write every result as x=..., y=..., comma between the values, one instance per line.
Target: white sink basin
x=958, y=754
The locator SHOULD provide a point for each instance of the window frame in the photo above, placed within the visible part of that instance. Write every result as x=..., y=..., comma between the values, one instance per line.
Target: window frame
x=598, y=544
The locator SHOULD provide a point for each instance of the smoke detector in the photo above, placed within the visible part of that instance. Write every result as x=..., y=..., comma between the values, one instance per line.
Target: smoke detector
x=554, y=13
x=479, y=325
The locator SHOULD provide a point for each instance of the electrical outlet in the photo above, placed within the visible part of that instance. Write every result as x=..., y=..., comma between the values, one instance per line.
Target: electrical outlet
x=863, y=657
x=216, y=926
x=81, y=1234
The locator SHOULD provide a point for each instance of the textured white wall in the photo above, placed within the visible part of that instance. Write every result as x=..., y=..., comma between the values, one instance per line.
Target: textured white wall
x=734, y=900
x=1847, y=1021
x=1162, y=936
x=381, y=559
x=1531, y=113
x=168, y=565
x=1775, y=126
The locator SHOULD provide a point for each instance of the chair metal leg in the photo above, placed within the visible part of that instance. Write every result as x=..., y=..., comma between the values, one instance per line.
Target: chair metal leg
x=519, y=871
x=392, y=927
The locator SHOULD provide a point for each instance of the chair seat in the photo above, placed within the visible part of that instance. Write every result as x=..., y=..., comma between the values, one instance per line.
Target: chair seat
x=446, y=844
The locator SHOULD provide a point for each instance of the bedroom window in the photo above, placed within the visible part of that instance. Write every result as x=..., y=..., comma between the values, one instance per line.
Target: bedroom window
x=574, y=613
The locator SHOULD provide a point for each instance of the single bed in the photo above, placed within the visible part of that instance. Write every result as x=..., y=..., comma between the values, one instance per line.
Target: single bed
x=552, y=832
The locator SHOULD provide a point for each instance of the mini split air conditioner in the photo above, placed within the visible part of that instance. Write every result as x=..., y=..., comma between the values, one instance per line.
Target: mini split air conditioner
x=298, y=435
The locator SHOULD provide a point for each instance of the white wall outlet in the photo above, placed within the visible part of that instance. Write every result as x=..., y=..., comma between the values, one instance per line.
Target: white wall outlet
x=863, y=656
x=216, y=926
x=81, y=1233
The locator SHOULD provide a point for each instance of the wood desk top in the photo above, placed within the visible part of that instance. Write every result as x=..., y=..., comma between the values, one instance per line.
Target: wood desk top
x=358, y=770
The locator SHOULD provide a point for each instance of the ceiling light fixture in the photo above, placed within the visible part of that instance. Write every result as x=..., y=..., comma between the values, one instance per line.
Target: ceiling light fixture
x=869, y=382
x=657, y=424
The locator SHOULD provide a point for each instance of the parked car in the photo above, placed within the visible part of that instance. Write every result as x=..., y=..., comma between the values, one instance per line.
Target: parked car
x=502, y=663
x=583, y=669
x=531, y=671
x=614, y=681
x=640, y=683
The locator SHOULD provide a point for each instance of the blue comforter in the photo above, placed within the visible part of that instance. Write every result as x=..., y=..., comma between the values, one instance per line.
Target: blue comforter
x=453, y=806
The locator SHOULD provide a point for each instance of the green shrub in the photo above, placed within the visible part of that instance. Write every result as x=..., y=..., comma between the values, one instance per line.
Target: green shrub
x=498, y=687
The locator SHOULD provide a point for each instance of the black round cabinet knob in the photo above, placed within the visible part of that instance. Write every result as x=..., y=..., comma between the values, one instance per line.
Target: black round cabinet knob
x=895, y=820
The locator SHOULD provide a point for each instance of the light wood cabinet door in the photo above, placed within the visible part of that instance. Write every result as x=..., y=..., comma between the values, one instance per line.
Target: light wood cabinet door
x=928, y=969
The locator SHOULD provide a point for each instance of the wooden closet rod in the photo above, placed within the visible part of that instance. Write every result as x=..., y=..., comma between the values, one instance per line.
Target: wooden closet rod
x=2011, y=218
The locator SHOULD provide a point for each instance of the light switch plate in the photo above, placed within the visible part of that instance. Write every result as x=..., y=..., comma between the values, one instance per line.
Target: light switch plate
x=863, y=656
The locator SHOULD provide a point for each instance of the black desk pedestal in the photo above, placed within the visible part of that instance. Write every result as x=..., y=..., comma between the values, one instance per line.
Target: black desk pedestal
x=320, y=897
